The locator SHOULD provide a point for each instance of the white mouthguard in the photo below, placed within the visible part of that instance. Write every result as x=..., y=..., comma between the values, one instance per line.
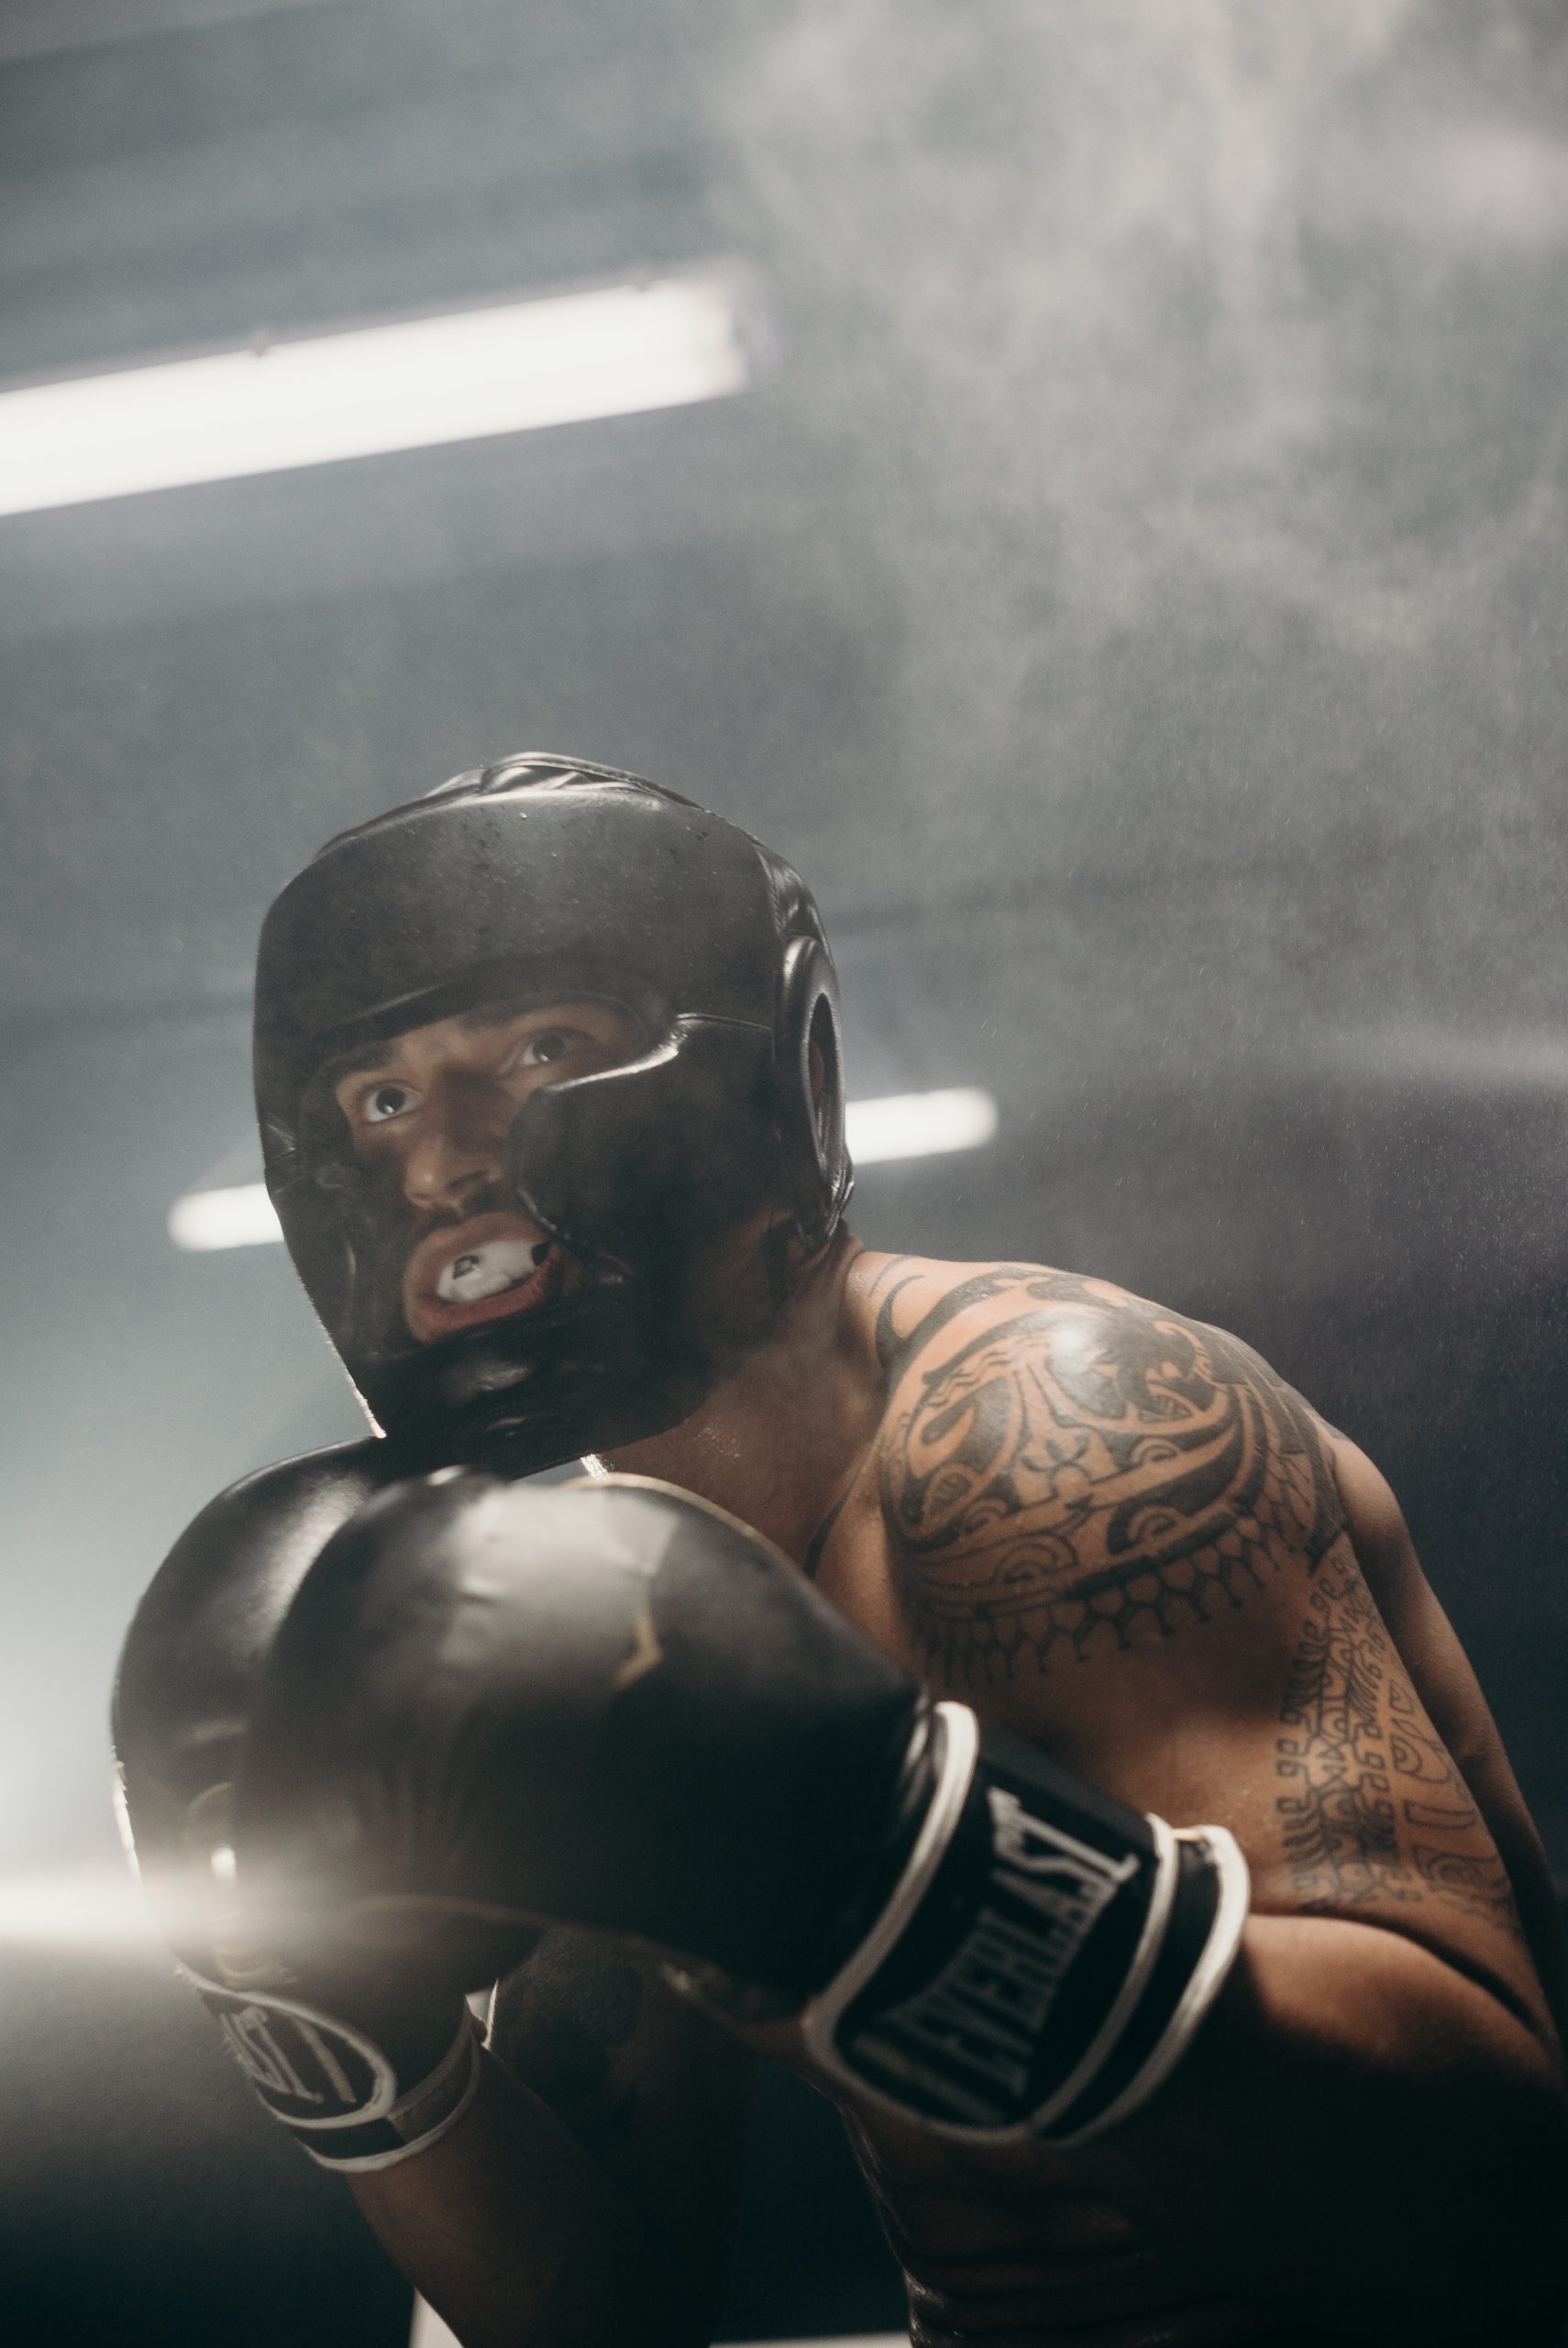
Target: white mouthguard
x=486, y=1271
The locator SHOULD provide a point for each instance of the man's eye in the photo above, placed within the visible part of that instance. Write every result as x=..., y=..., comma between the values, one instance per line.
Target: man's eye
x=550, y=1044
x=385, y=1100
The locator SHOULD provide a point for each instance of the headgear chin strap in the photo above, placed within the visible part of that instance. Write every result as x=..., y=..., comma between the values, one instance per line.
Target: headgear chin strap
x=535, y=879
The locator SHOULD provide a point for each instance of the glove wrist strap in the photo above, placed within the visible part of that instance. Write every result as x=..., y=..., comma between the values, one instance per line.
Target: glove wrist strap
x=1045, y=1957
x=352, y=2100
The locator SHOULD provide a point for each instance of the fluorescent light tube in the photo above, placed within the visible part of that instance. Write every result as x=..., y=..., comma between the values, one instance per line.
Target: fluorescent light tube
x=918, y=1124
x=429, y=2332
x=78, y=1907
x=564, y=358
x=242, y=1217
x=900, y=1124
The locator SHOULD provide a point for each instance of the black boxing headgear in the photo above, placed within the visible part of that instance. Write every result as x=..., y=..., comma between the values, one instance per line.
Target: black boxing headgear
x=536, y=879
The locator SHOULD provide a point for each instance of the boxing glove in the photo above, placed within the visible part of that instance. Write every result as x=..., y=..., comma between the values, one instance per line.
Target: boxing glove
x=366, y=2064
x=611, y=1705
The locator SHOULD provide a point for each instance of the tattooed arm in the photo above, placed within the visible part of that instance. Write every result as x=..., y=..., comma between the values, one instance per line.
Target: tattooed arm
x=1452, y=1696
x=585, y=2199
x=1116, y=1531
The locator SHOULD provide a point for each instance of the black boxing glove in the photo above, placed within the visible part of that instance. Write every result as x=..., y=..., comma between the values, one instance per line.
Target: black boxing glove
x=364, y=2062
x=614, y=1706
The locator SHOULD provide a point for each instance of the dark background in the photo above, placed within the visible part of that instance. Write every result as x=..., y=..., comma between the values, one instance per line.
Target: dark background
x=1134, y=594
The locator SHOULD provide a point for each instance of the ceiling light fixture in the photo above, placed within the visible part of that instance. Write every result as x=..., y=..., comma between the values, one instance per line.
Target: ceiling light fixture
x=918, y=1124
x=243, y=1216
x=900, y=1124
x=469, y=375
x=83, y=1907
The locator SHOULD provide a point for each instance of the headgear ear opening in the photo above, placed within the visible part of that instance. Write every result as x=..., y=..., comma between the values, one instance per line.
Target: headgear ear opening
x=812, y=1103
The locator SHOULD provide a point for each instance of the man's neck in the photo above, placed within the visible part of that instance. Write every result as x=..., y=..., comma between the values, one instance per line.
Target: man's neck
x=778, y=1438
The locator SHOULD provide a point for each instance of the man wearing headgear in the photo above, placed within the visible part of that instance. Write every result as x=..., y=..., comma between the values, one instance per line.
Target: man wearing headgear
x=995, y=1696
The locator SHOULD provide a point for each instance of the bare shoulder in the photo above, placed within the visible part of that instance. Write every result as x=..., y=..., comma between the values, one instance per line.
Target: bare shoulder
x=1117, y=1529
x=1067, y=1467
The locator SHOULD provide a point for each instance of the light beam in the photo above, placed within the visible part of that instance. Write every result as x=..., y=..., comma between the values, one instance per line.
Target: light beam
x=897, y=1124
x=469, y=375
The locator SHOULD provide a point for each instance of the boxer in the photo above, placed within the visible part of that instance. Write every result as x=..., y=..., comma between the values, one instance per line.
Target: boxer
x=995, y=1695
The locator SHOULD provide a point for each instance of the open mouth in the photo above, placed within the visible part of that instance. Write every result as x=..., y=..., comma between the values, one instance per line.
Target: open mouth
x=484, y=1270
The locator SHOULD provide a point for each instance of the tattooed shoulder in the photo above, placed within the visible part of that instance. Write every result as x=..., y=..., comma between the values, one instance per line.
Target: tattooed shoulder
x=1066, y=1468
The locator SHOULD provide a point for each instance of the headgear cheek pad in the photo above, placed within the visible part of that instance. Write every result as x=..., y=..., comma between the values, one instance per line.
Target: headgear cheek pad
x=534, y=879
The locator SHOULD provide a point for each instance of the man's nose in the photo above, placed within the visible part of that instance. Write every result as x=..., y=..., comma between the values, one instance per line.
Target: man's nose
x=457, y=1151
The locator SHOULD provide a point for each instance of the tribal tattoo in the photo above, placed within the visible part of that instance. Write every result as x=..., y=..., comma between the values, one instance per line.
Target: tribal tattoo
x=1372, y=1809
x=1090, y=1471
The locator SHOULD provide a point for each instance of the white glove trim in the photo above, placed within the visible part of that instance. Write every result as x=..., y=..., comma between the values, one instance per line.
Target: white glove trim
x=960, y=1752
x=1138, y=1972
x=314, y=2021
x=1206, y=1979
x=465, y=2050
